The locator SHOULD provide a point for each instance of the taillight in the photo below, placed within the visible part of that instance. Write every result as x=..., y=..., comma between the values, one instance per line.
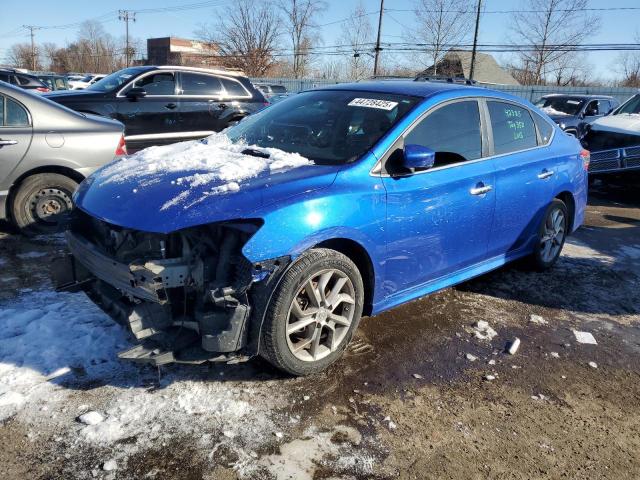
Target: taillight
x=43, y=89
x=122, y=147
x=586, y=158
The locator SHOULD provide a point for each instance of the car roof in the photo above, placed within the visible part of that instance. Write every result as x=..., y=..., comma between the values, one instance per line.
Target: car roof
x=422, y=89
x=577, y=95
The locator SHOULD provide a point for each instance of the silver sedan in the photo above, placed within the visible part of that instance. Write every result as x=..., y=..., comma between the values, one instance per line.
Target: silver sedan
x=46, y=150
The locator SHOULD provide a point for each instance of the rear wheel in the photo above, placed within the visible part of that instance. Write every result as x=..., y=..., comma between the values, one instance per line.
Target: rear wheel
x=42, y=203
x=313, y=313
x=551, y=235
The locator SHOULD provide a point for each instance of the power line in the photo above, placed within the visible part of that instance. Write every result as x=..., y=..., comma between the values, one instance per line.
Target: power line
x=126, y=16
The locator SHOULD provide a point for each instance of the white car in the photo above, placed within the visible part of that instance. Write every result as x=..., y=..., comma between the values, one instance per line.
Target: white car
x=85, y=81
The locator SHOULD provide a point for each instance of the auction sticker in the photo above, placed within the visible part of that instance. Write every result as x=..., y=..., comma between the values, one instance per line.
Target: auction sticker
x=373, y=103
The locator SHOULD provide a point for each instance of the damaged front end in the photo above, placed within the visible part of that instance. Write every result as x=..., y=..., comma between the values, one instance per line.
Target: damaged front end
x=186, y=296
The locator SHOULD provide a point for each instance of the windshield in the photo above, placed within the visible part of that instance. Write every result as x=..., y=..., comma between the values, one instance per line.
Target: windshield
x=327, y=127
x=630, y=106
x=560, y=105
x=115, y=80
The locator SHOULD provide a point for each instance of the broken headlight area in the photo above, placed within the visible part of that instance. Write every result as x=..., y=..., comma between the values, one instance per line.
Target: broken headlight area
x=185, y=295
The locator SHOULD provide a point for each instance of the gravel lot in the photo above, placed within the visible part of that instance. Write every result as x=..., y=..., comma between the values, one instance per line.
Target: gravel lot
x=417, y=396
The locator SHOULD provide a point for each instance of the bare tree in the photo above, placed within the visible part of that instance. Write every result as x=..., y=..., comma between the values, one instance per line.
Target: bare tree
x=627, y=65
x=357, y=34
x=553, y=27
x=299, y=21
x=439, y=26
x=247, y=36
x=19, y=56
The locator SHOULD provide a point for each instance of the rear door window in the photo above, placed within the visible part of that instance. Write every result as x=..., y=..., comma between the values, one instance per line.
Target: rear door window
x=513, y=127
x=201, y=85
x=452, y=131
x=1, y=111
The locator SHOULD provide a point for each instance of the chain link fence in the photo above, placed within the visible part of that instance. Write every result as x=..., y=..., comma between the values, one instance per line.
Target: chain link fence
x=530, y=93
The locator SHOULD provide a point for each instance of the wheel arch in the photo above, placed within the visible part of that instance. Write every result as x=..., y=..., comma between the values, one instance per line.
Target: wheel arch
x=358, y=255
x=570, y=202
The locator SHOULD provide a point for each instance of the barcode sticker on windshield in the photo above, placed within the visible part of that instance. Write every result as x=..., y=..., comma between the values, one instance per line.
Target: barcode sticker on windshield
x=373, y=103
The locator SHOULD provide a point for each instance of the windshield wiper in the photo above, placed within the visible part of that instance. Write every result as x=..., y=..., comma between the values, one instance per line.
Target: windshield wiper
x=255, y=153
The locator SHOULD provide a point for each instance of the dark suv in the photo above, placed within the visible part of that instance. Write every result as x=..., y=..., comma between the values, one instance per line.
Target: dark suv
x=23, y=80
x=571, y=112
x=160, y=105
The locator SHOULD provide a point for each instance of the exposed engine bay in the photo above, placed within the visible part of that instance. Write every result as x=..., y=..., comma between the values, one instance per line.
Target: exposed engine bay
x=185, y=295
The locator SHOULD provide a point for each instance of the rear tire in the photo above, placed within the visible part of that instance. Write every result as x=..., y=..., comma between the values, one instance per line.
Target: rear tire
x=552, y=234
x=42, y=203
x=321, y=294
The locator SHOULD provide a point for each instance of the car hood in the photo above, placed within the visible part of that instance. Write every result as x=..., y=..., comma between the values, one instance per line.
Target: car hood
x=563, y=118
x=164, y=189
x=61, y=95
x=620, y=123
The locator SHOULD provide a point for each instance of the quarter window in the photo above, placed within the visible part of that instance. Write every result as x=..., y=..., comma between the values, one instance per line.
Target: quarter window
x=513, y=127
x=544, y=127
x=203, y=85
x=157, y=84
x=234, y=88
x=452, y=131
x=15, y=115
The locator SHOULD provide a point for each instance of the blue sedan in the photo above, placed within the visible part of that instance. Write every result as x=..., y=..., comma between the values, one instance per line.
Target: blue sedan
x=275, y=237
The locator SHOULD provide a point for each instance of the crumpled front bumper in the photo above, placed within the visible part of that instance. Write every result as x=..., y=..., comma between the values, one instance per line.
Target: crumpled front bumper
x=136, y=295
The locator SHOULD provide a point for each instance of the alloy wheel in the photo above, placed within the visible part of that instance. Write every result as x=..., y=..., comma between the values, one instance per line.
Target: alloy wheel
x=320, y=315
x=553, y=235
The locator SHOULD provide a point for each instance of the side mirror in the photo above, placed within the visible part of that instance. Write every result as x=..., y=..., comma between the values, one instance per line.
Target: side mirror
x=418, y=157
x=136, y=92
x=591, y=112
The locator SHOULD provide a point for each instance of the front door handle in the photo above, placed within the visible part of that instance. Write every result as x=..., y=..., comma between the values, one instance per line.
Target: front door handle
x=170, y=106
x=7, y=142
x=545, y=174
x=480, y=189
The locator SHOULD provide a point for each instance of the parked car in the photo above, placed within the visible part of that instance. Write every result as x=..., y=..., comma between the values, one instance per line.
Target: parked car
x=270, y=89
x=276, y=236
x=23, y=80
x=615, y=141
x=45, y=151
x=55, y=82
x=85, y=81
x=166, y=104
x=571, y=112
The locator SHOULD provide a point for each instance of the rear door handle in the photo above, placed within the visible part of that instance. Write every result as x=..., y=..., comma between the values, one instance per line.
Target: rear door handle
x=545, y=174
x=7, y=142
x=170, y=106
x=480, y=189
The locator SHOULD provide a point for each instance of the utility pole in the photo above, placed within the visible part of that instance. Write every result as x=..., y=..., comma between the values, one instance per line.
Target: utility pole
x=377, y=49
x=127, y=15
x=32, y=29
x=475, y=42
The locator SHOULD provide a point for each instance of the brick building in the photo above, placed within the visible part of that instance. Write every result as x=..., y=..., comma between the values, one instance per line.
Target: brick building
x=180, y=51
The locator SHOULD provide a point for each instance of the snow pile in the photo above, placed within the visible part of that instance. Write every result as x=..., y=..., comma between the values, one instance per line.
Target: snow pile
x=213, y=160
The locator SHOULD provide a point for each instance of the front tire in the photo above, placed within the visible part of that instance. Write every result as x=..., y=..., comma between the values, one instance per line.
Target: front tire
x=552, y=234
x=42, y=202
x=313, y=313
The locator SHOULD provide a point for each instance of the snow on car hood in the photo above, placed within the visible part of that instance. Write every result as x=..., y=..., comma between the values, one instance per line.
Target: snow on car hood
x=620, y=123
x=166, y=188
x=552, y=112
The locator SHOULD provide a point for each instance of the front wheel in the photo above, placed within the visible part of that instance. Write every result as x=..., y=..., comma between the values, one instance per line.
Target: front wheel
x=551, y=235
x=313, y=313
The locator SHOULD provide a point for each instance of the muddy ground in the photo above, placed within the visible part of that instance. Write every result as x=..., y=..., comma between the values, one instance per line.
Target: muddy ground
x=405, y=402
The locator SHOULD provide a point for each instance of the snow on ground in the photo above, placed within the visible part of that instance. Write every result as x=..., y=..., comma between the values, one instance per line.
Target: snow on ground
x=213, y=160
x=51, y=341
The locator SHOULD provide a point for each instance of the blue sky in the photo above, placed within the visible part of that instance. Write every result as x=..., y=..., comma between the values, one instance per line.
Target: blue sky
x=616, y=26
